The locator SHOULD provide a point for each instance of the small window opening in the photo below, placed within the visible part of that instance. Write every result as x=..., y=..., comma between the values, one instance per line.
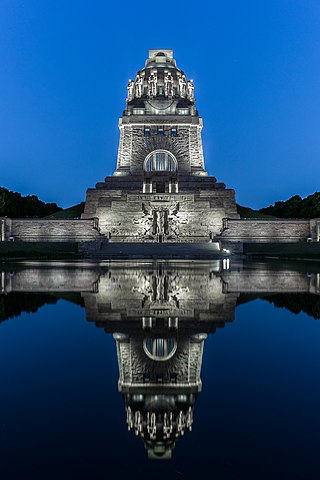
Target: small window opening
x=173, y=377
x=160, y=187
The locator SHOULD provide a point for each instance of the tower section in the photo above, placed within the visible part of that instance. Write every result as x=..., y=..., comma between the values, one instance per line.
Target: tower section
x=160, y=190
x=160, y=129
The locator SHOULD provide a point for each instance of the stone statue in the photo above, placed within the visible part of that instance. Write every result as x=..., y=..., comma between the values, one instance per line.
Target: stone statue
x=153, y=79
x=160, y=289
x=159, y=222
x=168, y=85
x=190, y=88
x=130, y=90
x=160, y=217
x=182, y=86
x=139, y=85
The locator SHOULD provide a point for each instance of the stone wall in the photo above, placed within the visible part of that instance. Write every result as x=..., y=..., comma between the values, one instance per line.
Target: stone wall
x=193, y=293
x=315, y=229
x=258, y=230
x=58, y=279
x=133, y=363
x=134, y=145
x=196, y=218
x=261, y=281
x=135, y=217
x=36, y=230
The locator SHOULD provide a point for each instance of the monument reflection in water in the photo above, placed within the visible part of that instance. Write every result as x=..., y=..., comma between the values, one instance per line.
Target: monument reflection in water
x=160, y=315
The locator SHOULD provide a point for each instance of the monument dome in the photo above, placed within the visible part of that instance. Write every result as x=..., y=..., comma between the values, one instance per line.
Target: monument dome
x=160, y=88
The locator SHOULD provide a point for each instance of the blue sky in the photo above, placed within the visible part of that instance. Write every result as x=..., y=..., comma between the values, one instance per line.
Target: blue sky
x=65, y=65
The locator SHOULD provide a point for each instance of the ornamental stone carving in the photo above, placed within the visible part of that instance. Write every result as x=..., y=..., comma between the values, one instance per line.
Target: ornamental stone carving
x=152, y=81
x=190, y=88
x=182, y=86
x=139, y=86
x=168, y=85
x=130, y=90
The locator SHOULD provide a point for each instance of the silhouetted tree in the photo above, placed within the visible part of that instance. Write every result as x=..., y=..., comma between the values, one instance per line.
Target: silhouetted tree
x=14, y=205
x=295, y=207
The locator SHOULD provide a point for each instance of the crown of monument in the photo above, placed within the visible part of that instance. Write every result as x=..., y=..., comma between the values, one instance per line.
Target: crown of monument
x=161, y=80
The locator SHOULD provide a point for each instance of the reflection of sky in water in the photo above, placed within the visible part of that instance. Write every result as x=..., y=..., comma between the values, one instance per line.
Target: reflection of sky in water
x=61, y=414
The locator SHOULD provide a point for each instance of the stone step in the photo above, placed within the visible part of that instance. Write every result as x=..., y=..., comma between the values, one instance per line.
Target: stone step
x=103, y=249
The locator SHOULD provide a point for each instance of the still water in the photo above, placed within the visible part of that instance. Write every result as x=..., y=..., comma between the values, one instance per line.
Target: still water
x=160, y=370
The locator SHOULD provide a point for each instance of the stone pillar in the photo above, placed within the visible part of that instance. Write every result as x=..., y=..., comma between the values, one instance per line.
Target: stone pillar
x=2, y=229
x=125, y=149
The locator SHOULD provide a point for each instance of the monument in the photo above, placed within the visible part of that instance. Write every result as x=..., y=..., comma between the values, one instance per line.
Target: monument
x=160, y=190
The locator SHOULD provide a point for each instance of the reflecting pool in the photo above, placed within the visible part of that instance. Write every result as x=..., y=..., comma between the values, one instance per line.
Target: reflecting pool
x=146, y=370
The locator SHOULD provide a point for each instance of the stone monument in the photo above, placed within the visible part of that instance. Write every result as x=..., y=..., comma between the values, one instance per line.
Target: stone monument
x=160, y=190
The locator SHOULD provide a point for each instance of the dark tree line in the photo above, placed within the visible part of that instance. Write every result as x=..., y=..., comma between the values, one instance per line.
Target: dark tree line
x=14, y=304
x=295, y=207
x=294, y=302
x=14, y=205
x=297, y=302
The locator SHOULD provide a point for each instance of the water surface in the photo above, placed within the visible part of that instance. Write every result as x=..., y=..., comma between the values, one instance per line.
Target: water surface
x=213, y=367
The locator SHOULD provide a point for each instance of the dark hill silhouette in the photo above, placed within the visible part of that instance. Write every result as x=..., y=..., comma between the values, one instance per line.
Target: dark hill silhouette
x=14, y=205
x=295, y=207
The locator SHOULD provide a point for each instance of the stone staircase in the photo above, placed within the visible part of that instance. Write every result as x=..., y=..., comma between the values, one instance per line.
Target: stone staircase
x=107, y=250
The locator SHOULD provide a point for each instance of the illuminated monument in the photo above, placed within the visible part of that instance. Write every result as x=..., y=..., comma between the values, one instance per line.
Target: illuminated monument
x=160, y=190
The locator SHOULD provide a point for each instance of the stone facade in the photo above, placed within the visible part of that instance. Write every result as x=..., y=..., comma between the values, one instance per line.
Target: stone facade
x=160, y=190
x=41, y=230
x=277, y=230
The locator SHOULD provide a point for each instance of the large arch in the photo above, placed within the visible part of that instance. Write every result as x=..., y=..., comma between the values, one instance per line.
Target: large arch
x=160, y=161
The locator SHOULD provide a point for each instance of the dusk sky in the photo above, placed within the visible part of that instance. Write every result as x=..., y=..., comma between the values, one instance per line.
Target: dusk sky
x=64, y=67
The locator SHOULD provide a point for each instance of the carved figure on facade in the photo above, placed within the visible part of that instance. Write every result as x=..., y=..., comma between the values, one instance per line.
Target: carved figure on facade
x=139, y=85
x=160, y=221
x=190, y=90
x=159, y=288
x=168, y=85
x=130, y=90
x=182, y=86
x=152, y=81
x=144, y=223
